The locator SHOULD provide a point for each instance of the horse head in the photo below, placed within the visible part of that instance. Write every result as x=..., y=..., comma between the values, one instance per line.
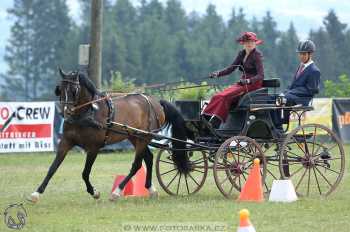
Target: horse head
x=69, y=92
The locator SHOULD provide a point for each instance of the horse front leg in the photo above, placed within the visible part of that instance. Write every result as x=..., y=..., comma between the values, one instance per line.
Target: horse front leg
x=90, y=159
x=63, y=147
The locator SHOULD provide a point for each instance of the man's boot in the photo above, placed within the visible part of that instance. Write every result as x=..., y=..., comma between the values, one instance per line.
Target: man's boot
x=215, y=122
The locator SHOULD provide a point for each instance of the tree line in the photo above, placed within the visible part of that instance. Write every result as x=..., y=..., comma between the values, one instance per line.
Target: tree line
x=154, y=43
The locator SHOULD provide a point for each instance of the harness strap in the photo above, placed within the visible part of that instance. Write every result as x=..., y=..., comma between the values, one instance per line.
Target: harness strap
x=111, y=114
x=151, y=110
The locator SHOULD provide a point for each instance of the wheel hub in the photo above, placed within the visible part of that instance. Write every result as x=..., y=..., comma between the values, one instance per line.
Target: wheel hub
x=236, y=169
x=308, y=162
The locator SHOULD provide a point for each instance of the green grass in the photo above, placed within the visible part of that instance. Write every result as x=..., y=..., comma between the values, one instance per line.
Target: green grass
x=66, y=206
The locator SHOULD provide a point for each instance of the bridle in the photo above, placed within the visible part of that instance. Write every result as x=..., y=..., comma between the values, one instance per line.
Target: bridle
x=74, y=106
x=70, y=105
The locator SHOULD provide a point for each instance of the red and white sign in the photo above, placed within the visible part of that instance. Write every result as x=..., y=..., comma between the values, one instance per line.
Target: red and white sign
x=30, y=129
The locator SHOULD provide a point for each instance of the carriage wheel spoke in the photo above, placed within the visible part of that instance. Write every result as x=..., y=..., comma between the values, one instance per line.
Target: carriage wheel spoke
x=163, y=161
x=188, y=190
x=267, y=187
x=164, y=173
x=244, y=176
x=301, y=179
x=318, y=185
x=313, y=142
x=291, y=162
x=223, y=169
x=250, y=164
x=223, y=165
x=193, y=179
x=196, y=170
x=229, y=193
x=172, y=179
x=244, y=157
x=272, y=163
x=318, y=148
x=239, y=181
x=305, y=144
x=323, y=176
x=308, y=183
x=296, y=171
x=298, y=144
x=238, y=151
x=225, y=159
x=178, y=184
x=271, y=174
x=198, y=161
x=327, y=168
x=293, y=154
x=232, y=153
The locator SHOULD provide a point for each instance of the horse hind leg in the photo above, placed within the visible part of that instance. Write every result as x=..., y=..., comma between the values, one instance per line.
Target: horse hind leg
x=117, y=193
x=140, y=147
x=148, y=158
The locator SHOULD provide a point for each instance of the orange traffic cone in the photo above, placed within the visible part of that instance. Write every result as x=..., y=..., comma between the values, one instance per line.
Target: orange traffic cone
x=244, y=223
x=128, y=189
x=139, y=183
x=252, y=189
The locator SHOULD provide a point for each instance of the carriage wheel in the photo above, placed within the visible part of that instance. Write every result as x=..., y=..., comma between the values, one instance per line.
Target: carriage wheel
x=312, y=156
x=175, y=183
x=233, y=162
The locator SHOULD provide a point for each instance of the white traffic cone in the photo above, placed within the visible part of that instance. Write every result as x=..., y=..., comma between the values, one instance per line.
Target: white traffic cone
x=282, y=191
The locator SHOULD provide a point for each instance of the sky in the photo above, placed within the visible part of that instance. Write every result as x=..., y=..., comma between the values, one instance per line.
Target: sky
x=305, y=14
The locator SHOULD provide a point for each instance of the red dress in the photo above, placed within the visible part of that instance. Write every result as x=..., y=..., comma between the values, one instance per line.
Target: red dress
x=221, y=102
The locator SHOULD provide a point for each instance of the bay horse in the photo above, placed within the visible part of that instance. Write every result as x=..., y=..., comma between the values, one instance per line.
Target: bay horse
x=90, y=128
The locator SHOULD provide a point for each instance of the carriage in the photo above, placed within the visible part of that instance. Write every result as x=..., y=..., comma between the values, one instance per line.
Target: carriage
x=311, y=155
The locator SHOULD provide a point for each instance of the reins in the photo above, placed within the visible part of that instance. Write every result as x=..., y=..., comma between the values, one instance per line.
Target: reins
x=162, y=85
x=90, y=102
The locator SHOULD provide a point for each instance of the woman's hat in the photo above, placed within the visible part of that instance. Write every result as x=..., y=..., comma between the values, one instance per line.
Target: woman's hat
x=249, y=36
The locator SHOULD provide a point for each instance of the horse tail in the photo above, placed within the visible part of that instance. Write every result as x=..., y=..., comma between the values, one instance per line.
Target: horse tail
x=178, y=131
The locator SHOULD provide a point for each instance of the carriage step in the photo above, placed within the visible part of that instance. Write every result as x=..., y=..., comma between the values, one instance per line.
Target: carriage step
x=209, y=139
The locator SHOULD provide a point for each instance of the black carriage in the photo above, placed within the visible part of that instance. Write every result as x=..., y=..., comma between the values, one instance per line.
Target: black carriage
x=311, y=155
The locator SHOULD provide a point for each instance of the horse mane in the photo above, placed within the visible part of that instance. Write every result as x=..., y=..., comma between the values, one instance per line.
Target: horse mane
x=88, y=84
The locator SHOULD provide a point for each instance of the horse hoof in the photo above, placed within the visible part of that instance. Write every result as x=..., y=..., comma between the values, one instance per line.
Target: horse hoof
x=96, y=195
x=153, y=192
x=114, y=196
x=153, y=195
x=34, y=197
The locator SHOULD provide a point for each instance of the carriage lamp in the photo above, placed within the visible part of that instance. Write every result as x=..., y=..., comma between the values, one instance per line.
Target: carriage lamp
x=281, y=100
x=252, y=117
x=234, y=144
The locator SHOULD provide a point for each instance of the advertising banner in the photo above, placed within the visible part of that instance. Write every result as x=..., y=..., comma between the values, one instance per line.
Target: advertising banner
x=26, y=126
x=341, y=118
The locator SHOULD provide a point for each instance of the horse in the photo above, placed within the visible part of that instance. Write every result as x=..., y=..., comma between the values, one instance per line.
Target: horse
x=87, y=123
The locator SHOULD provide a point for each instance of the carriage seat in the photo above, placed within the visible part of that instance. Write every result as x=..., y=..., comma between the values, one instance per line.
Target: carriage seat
x=272, y=83
x=259, y=96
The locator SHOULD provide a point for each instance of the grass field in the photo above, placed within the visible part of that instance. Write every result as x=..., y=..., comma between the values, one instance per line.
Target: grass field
x=66, y=206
